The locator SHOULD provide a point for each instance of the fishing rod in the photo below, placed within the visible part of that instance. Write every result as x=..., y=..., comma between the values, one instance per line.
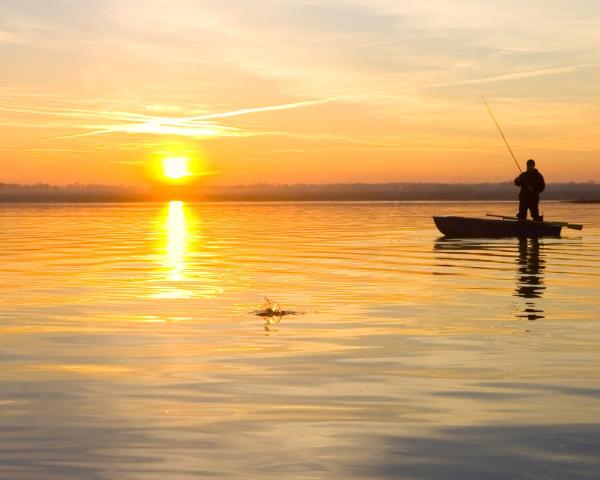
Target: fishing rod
x=500, y=130
x=527, y=185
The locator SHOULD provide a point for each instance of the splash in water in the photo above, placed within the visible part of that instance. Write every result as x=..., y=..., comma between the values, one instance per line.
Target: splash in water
x=272, y=309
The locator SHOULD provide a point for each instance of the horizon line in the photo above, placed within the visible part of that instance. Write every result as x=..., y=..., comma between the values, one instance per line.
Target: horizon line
x=4, y=184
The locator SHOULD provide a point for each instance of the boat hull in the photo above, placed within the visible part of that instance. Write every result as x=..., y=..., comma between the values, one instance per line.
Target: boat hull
x=483, y=227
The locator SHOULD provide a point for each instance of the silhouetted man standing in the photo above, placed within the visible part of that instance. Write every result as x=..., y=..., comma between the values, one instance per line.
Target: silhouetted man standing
x=532, y=184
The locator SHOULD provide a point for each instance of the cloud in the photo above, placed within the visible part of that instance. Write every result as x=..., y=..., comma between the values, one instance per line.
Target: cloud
x=10, y=37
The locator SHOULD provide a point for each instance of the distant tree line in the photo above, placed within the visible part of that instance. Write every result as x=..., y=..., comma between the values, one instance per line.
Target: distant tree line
x=397, y=191
x=42, y=192
x=589, y=191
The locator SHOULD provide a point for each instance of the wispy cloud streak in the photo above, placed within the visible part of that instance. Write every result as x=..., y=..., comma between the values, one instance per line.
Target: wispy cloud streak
x=189, y=126
x=272, y=108
x=76, y=112
x=516, y=76
x=135, y=123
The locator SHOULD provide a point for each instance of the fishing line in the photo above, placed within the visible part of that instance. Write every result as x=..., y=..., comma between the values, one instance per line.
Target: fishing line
x=500, y=130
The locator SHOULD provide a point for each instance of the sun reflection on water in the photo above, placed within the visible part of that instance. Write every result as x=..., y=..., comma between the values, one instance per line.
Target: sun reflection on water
x=177, y=232
x=176, y=227
x=185, y=264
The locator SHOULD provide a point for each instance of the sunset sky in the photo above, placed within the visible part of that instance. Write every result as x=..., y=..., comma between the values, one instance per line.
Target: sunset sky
x=100, y=91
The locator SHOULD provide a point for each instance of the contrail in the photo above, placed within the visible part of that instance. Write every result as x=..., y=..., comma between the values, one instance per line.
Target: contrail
x=516, y=75
x=153, y=125
x=246, y=111
x=243, y=111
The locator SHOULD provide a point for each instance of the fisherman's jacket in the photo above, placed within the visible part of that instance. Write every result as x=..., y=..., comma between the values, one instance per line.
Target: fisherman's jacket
x=531, y=183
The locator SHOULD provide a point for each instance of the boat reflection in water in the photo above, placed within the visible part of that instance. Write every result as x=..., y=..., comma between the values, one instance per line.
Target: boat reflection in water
x=530, y=282
x=497, y=255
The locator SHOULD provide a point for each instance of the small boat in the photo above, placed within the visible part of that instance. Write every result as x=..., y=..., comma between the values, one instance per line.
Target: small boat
x=502, y=227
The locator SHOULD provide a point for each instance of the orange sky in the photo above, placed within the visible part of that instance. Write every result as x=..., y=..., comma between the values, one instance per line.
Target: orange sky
x=298, y=91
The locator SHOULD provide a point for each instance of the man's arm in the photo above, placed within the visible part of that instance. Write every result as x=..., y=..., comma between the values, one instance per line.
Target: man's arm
x=518, y=180
x=541, y=183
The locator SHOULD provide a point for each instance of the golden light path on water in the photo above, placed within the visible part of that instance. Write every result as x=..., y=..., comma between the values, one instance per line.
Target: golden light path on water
x=413, y=356
x=181, y=234
x=177, y=233
x=180, y=243
x=175, y=243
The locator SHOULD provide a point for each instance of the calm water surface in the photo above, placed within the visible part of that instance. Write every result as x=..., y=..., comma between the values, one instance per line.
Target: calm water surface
x=129, y=348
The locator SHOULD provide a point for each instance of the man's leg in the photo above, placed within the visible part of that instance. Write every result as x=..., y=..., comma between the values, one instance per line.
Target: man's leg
x=534, y=209
x=522, y=209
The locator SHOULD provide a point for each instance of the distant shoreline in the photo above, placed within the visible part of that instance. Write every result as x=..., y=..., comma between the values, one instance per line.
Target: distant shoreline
x=67, y=203
x=338, y=192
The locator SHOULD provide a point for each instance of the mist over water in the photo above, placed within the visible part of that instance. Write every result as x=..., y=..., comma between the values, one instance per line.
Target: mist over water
x=130, y=347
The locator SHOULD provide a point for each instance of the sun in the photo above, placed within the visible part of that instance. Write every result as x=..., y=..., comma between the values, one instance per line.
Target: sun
x=176, y=168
